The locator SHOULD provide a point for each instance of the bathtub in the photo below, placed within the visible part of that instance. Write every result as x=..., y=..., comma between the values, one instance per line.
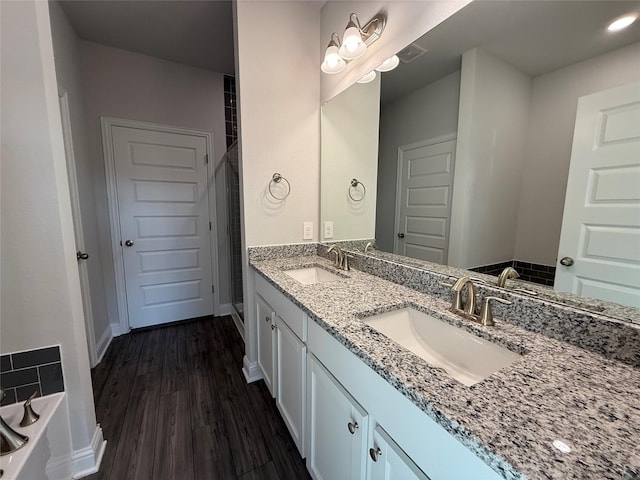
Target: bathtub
x=47, y=454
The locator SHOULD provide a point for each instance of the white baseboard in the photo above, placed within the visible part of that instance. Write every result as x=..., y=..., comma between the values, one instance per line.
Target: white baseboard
x=252, y=372
x=238, y=322
x=225, y=309
x=86, y=461
x=103, y=344
x=116, y=330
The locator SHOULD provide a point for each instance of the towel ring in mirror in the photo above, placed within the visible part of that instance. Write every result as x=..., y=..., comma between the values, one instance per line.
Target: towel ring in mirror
x=354, y=188
x=277, y=178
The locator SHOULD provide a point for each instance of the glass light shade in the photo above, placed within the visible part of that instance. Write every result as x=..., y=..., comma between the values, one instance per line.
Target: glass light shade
x=389, y=64
x=333, y=62
x=622, y=23
x=368, y=77
x=352, y=44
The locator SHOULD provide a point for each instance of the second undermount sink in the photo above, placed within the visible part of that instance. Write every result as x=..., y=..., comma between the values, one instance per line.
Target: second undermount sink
x=313, y=274
x=464, y=356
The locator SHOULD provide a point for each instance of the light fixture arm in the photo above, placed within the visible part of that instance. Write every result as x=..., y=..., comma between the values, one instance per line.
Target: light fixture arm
x=373, y=29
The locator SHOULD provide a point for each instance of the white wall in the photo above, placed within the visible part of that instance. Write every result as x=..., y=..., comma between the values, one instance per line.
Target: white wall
x=492, y=125
x=406, y=22
x=429, y=112
x=128, y=85
x=553, y=112
x=279, y=119
x=349, y=149
x=40, y=296
x=67, y=58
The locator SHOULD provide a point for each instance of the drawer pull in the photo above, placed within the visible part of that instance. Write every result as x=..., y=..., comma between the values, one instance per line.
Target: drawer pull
x=375, y=453
x=352, y=426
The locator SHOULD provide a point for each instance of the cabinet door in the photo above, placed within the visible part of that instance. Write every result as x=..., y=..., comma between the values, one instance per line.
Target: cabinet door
x=266, y=342
x=337, y=428
x=387, y=461
x=291, y=361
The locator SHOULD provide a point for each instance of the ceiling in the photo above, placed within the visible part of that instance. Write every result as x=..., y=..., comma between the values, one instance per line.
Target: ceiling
x=196, y=33
x=536, y=37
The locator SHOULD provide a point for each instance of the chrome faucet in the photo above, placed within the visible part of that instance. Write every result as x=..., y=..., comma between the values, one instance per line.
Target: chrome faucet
x=371, y=246
x=10, y=440
x=505, y=275
x=338, y=253
x=468, y=309
x=342, y=258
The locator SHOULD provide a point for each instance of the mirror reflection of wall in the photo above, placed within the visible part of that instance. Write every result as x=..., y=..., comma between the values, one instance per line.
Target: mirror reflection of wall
x=503, y=79
x=349, y=145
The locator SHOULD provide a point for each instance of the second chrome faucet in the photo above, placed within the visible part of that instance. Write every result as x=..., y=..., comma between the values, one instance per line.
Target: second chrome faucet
x=342, y=258
x=467, y=308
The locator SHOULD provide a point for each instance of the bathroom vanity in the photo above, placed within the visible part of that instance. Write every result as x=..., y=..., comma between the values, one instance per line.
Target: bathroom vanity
x=361, y=406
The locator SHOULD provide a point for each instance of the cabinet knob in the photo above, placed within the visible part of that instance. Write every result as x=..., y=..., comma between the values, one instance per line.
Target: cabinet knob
x=267, y=319
x=352, y=426
x=374, y=453
x=273, y=327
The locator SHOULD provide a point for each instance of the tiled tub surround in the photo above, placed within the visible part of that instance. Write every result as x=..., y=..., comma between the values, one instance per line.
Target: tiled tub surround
x=510, y=420
x=529, y=272
x=22, y=373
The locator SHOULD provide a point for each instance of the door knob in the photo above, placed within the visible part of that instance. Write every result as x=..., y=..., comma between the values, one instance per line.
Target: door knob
x=566, y=261
x=401, y=235
x=352, y=426
x=129, y=243
x=82, y=255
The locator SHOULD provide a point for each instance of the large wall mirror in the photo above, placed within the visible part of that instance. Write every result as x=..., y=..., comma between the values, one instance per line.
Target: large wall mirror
x=468, y=162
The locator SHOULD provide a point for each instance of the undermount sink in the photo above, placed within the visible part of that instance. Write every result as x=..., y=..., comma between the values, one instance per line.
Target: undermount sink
x=464, y=356
x=311, y=275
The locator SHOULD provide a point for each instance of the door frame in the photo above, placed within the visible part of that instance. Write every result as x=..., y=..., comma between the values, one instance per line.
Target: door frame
x=107, y=124
x=401, y=149
x=74, y=194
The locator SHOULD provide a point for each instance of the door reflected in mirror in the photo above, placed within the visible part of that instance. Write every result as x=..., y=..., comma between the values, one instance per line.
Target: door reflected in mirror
x=475, y=145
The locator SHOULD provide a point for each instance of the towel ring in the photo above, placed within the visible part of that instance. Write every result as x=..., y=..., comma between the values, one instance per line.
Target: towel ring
x=277, y=178
x=354, y=185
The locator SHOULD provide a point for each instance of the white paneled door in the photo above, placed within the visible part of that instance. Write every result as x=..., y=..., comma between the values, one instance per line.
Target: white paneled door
x=423, y=200
x=163, y=205
x=599, y=253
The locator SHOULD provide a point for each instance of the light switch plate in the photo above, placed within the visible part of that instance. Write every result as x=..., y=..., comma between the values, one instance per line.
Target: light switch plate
x=328, y=230
x=307, y=232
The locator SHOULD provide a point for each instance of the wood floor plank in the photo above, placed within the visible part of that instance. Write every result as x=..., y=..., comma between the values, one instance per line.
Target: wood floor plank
x=247, y=443
x=174, y=449
x=163, y=385
x=263, y=472
x=136, y=446
x=211, y=453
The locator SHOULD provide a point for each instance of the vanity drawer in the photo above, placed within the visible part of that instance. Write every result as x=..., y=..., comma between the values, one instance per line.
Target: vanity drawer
x=295, y=318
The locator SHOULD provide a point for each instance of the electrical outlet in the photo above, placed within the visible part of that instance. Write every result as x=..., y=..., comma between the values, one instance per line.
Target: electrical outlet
x=307, y=232
x=328, y=230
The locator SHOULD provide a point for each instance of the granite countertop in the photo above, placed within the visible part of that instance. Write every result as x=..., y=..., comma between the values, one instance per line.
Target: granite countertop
x=510, y=420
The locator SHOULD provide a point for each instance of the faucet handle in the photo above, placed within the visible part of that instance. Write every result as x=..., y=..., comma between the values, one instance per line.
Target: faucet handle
x=486, y=313
x=345, y=261
x=30, y=417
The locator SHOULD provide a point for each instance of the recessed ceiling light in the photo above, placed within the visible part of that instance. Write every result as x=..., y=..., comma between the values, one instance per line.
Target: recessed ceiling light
x=622, y=22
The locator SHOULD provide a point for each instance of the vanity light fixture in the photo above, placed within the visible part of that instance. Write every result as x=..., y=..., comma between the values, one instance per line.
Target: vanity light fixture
x=368, y=77
x=333, y=62
x=622, y=22
x=389, y=64
x=354, y=43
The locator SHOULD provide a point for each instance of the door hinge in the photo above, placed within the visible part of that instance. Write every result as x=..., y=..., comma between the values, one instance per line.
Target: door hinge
x=213, y=290
x=206, y=159
x=209, y=225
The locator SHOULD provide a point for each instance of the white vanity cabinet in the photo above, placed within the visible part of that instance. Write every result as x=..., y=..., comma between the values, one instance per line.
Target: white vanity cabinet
x=285, y=369
x=266, y=342
x=291, y=374
x=388, y=461
x=337, y=428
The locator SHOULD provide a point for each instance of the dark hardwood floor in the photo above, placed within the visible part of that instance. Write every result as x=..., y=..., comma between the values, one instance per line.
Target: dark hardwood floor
x=173, y=404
